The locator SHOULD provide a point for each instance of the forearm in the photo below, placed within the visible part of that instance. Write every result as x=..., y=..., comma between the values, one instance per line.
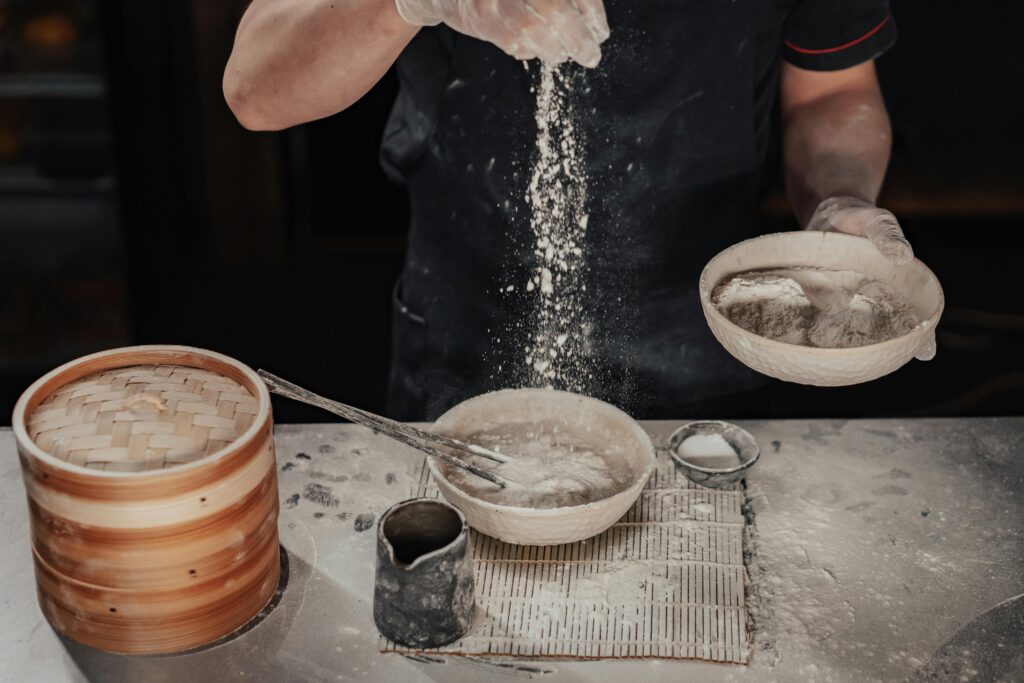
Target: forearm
x=298, y=60
x=836, y=140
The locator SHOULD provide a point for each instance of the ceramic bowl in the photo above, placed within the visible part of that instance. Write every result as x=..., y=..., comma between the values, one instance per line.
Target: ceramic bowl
x=830, y=250
x=740, y=439
x=547, y=526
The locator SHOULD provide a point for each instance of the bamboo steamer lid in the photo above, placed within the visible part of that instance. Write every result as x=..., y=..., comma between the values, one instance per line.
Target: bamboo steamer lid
x=152, y=493
x=142, y=417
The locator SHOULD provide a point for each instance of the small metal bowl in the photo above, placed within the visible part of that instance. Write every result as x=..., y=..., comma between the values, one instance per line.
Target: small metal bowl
x=740, y=439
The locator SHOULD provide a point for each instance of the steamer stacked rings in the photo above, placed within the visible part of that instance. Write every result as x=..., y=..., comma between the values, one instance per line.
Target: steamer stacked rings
x=152, y=494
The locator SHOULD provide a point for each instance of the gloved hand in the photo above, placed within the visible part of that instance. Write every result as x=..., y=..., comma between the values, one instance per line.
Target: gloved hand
x=553, y=30
x=857, y=217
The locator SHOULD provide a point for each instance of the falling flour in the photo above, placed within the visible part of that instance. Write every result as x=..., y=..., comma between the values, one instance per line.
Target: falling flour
x=549, y=467
x=555, y=353
x=815, y=307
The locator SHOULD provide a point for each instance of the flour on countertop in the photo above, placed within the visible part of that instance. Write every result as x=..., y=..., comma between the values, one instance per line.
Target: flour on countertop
x=773, y=304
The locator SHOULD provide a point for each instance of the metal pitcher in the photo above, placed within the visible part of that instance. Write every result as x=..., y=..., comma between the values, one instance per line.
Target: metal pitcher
x=423, y=593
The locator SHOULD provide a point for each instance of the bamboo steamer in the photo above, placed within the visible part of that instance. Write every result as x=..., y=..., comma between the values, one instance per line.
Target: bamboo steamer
x=152, y=495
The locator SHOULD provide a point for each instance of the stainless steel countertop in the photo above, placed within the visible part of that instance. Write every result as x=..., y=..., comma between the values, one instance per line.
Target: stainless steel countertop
x=876, y=542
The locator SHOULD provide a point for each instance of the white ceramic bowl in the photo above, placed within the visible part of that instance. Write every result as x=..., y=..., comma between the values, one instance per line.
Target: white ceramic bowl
x=831, y=250
x=548, y=526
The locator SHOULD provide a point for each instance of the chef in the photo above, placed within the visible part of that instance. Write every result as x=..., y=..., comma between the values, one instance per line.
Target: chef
x=687, y=108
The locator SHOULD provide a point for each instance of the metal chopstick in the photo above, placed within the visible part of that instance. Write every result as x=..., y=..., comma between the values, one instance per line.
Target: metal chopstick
x=433, y=437
x=411, y=436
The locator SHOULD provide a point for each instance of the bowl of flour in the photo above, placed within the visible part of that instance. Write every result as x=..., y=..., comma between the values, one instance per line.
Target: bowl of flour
x=576, y=465
x=819, y=308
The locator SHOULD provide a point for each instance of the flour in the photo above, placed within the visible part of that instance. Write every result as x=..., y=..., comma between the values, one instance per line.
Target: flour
x=550, y=466
x=843, y=310
x=555, y=350
x=708, y=450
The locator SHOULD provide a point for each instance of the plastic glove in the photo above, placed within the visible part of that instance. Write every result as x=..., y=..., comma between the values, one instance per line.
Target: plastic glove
x=553, y=30
x=857, y=217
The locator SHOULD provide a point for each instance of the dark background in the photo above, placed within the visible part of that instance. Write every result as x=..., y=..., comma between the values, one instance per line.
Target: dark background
x=133, y=209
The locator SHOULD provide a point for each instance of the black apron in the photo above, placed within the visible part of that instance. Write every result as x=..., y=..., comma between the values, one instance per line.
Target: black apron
x=676, y=127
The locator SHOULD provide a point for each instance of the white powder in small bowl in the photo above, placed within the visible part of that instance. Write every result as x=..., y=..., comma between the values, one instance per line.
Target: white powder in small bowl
x=708, y=450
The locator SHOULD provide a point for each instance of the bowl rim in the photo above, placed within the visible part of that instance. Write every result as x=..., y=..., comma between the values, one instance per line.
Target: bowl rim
x=19, y=422
x=710, y=470
x=710, y=310
x=650, y=453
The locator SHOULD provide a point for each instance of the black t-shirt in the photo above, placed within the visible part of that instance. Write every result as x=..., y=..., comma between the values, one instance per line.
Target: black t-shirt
x=679, y=136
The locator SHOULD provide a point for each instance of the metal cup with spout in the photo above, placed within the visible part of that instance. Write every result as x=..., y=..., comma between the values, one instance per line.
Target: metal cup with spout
x=423, y=593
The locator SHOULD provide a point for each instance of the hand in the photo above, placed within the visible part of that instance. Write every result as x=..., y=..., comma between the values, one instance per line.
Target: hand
x=858, y=217
x=553, y=30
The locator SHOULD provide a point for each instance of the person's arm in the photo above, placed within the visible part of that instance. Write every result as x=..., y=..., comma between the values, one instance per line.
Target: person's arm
x=836, y=143
x=298, y=60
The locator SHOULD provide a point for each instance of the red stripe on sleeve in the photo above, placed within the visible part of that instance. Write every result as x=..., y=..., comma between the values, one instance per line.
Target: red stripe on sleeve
x=838, y=48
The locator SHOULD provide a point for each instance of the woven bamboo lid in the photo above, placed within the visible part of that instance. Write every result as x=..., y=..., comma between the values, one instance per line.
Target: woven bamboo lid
x=142, y=417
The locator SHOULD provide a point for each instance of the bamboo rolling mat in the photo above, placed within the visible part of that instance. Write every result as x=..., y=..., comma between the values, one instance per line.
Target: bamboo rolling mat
x=666, y=581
